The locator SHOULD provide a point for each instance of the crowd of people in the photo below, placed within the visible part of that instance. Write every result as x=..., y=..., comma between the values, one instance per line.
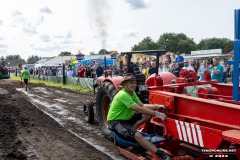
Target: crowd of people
x=170, y=63
x=174, y=63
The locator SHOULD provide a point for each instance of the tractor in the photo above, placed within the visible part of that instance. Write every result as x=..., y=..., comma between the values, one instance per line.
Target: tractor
x=203, y=126
x=108, y=86
x=4, y=73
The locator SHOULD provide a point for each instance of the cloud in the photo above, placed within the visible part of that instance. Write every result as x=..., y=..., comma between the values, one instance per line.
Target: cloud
x=29, y=29
x=48, y=48
x=69, y=35
x=39, y=20
x=29, y=25
x=16, y=13
x=3, y=46
x=45, y=10
x=67, y=41
x=129, y=32
x=138, y=4
x=60, y=36
x=45, y=38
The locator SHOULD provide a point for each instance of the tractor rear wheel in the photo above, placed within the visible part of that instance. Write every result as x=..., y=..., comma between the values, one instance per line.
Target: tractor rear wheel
x=104, y=98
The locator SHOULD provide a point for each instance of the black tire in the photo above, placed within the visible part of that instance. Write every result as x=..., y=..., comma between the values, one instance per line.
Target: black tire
x=88, y=112
x=105, y=95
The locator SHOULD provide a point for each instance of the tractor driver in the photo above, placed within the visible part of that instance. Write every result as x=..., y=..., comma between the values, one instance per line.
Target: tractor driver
x=126, y=114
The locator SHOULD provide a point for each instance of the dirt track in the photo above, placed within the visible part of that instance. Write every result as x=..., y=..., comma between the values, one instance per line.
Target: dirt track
x=47, y=123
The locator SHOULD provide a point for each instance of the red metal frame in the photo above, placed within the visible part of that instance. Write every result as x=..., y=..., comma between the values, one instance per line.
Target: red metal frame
x=202, y=123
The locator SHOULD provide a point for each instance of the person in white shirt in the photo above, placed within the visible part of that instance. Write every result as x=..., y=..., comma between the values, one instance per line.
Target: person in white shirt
x=69, y=72
x=167, y=68
x=160, y=68
x=187, y=66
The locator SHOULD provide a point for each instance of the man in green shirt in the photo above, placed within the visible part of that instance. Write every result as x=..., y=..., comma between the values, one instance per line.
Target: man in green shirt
x=26, y=77
x=127, y=113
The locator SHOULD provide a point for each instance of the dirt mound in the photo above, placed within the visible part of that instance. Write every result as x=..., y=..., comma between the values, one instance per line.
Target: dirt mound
x=28, y=133
x=10, y=122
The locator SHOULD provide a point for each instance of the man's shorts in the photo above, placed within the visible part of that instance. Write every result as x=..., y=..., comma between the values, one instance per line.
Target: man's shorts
x=25, y=81
x=125, y=128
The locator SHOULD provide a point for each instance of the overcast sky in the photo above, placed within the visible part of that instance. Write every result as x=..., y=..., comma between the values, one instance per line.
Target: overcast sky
x=47, y=27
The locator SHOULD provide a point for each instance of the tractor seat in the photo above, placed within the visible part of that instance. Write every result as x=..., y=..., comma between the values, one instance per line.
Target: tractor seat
x=130, y=143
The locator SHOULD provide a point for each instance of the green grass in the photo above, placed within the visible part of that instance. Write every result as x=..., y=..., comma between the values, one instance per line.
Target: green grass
x=48, y=83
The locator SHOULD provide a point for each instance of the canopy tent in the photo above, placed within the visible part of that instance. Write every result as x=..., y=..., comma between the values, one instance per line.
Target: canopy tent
x=51, y=65
x=101, y=60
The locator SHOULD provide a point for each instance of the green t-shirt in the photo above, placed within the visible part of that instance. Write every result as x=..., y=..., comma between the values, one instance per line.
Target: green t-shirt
x=121, y=106
x=25, y=74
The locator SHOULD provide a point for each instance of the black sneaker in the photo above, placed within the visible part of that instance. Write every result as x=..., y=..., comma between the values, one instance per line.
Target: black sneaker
x=162, y=155
x=26, y=89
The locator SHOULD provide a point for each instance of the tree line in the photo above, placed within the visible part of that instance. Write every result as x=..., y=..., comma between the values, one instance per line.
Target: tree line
x=181, y=43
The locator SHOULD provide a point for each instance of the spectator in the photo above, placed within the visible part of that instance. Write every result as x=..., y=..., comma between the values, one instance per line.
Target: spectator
x=93, y=69
x=59, y=72
x=180, y=65
x=187, y=66
x=175, y=69
x=173, y=57
x=81, y=71
x=99, y=70
x=217, y=69
x=69, y=72
x=50, y=72
x=31, y=71
x=74, y=74
x=167, y=68
x=145, y=70
x=37, y=70
x=179, y=58
x=134, y=68
x=168, y=57
x=160, y=68
x=152, y=69
x=193, y=64
x=228, y=71
x=46, y=72
x=88, y=72
x=115, y=70
x=203, y=67
x=54, y=71
x=224, y=76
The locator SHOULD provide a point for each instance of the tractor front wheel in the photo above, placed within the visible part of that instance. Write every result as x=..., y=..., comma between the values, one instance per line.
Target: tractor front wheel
x=88, y=111
x=104, y=98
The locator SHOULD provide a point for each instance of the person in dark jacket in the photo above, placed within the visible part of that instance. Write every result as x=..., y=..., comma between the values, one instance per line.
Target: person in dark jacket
x=175, y=69
x=153, y=69
x=99, y=70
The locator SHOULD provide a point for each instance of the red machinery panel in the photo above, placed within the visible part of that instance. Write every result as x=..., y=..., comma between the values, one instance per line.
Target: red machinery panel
x=167, y=101
x=210, y=112
x=166, y=78
x=194, y=134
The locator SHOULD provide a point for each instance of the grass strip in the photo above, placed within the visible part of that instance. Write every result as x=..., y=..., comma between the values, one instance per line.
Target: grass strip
x=54, y=84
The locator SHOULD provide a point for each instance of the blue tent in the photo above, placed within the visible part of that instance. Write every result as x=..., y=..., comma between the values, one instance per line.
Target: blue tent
x=90, y=61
